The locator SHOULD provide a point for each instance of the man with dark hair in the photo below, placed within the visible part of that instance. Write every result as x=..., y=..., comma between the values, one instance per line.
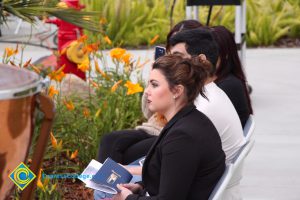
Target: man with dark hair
x=195, y=42
x=218, y=107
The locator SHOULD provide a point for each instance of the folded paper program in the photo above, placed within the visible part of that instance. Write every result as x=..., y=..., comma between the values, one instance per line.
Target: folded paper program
x=106, y=176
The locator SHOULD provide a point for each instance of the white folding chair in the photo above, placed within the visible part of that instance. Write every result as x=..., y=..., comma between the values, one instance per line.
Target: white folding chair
x=249, y=128
x=233, y=172
x=238, y=165
x=242, y=153
x=222, y=183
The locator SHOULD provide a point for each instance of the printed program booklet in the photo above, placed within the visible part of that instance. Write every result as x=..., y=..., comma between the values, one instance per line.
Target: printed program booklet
x=106, y=176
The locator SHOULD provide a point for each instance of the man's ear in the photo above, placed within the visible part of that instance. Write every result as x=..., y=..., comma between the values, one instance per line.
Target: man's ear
x=202, y=57
x=178, y=91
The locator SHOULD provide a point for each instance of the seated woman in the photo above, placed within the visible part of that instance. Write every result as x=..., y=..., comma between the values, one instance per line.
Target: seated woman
x=186, y=161
x=126, y=146
x=230, y=76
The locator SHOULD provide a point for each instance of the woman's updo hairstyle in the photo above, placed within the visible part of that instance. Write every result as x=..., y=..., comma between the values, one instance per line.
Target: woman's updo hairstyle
x=189, y=72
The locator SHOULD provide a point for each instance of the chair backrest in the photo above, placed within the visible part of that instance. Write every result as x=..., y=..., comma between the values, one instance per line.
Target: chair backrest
x=242, y=154
x=222, y=183
x=249, y=128
x=233, y=172
x=238, y=163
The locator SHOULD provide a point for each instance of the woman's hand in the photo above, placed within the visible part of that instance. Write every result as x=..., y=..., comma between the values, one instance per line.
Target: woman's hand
x=124, y=192
x=133, y=187
x=134, y=169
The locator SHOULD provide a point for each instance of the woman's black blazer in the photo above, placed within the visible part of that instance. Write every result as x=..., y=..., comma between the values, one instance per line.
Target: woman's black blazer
x=186, y=161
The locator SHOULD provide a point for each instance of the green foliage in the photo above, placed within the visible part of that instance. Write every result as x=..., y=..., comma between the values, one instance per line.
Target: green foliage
x=107, y=111
x=267, y=23
x=29, y=9
x=135, y=22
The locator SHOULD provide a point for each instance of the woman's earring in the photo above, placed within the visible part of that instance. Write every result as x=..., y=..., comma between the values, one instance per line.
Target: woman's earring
x=174, y=97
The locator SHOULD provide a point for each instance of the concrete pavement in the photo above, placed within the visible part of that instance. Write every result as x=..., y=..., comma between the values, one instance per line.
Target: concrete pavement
x=272, y=170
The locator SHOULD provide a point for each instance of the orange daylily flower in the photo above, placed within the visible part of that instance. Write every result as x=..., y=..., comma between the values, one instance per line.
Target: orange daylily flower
x=69, y=104
x=117, y=53
x=57, y=75
x=153, y=40
x=39, y=181
x=9, y=51
x=100, y=71
x=74, y=154
x=82, y=38
x=133, y=88
x=86, y=112
x=52, y=91
x=126, y=58
x=27, y=63
x=53, y=140
x=91, y=48
x=120, y=55
x=107, y=40
x=84, y=66
x=116, y=85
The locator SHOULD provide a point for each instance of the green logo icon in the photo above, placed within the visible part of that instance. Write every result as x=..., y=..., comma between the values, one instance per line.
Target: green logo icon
x=22, y=176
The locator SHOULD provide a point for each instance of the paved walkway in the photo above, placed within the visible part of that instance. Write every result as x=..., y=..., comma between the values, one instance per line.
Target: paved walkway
x=273, y=167
x=272, y=170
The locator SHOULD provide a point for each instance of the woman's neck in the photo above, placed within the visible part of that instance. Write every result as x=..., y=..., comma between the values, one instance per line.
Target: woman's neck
x=171, y=112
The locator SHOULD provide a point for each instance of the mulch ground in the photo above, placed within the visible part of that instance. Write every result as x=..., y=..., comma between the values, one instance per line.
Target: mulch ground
x=288, y=43
x=76, y=191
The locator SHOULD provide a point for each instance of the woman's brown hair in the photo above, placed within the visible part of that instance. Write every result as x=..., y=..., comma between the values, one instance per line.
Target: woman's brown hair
x=191, y=73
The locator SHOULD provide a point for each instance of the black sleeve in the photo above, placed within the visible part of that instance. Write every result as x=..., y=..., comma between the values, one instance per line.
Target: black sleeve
x=237, y=95
x=178, y=168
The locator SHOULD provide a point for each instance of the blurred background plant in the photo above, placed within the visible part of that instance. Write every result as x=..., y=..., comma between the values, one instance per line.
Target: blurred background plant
x=29, y=10
x=136, y=22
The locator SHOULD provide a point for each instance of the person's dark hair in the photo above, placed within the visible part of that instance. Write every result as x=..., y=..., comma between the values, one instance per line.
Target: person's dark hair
x=229, y=59
x=181, y=26
x=198, y=41
x=191, y=73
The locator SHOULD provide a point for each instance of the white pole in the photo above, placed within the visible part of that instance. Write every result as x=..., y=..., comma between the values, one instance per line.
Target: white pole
x=238, y=27
x=244, y=30
x=195, y=12
x=188, y=12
